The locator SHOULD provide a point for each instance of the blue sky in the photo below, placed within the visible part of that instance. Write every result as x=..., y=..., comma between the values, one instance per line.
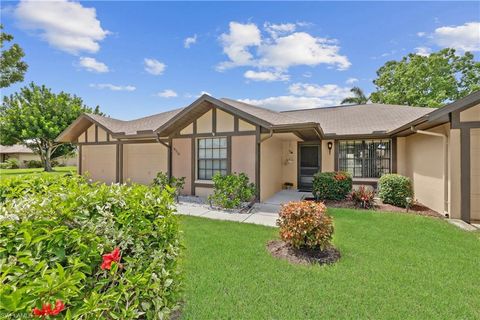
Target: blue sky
x=132, y=59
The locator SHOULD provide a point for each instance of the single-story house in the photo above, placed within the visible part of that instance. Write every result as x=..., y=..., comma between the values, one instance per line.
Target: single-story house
x=24, y=154
x=439, y=149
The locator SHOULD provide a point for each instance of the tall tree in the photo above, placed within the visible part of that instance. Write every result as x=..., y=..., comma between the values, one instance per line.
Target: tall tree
x=35, y=116
x=358, y=97
x=12, y=68
x=427, y=81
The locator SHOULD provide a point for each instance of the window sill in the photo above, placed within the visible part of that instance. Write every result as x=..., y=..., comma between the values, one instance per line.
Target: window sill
x=204, y=182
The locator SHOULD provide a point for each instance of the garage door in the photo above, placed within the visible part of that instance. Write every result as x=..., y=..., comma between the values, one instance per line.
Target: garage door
x=142, y=162
x=100, y=162
x=475, y=174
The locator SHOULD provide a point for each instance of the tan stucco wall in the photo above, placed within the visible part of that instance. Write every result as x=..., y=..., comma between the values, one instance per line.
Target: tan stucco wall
x=204, y=123
x=142, y=162
x=244, y=156
x=471, y=114
x=203, y=191
x=81, y=138
x=91, y=133
x=102, y=135
x=328, y=158
x=424, y=165
x=454, y=174
x=270, y=167
x=182, y=161
x=289, y=162
x=188, y=129
x=100, y=162
x=224, y=121
x=245, y=126
x=475, y=174
x=401, y=156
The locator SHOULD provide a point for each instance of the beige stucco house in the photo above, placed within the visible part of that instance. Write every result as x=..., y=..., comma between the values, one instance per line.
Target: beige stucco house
x=24, y=154
x=439, y=149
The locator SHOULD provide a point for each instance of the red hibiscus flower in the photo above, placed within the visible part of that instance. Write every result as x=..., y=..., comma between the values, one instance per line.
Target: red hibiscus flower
x=108, y=258
x=47, y=309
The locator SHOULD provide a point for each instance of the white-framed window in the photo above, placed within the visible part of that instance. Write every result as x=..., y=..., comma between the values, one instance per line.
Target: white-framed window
x=211, y=157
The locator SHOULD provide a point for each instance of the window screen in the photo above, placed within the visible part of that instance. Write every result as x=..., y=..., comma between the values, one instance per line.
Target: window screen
x=365, y=158
x=211, y=157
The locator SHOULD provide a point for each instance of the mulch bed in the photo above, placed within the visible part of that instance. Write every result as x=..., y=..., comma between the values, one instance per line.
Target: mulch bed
x=417, y=209
x=282, y=250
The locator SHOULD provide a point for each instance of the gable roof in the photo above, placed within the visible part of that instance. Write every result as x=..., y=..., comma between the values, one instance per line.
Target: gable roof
x=364, y=119
x=16, y=148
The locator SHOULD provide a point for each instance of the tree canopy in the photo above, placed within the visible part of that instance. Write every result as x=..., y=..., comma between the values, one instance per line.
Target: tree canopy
x=12, y=68
x=427, y=81
x=35, y=116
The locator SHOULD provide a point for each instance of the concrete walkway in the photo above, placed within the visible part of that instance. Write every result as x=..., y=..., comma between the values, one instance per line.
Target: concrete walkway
x=263, y=213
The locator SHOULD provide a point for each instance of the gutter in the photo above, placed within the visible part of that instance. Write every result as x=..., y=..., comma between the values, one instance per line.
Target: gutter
x=269, y=136
x=445, y=164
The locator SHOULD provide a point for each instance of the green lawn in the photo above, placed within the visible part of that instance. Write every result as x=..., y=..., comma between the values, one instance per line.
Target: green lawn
x=16, y=172
x=393, y=266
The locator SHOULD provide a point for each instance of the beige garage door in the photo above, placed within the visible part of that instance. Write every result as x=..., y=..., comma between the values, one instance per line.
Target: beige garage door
x=100, y=162
x=142, y=162
x=475, y=174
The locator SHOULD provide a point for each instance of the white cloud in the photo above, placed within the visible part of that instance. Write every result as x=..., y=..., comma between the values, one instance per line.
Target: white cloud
x=278, y=29
x=282, y=50
x=423, y=51
x=236, y=43
x=351, y=80
x=307, y=74
x=167, y=93
x=189, y=41
x=112, y=87
x=92, y=65
x=463, y=38
x=421, y=34
x=304, y=96
x=154, y=66
x=265, y=76
x=65, y=25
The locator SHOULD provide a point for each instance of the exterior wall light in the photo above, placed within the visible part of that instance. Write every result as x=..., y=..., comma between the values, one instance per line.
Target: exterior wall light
x=330, y=146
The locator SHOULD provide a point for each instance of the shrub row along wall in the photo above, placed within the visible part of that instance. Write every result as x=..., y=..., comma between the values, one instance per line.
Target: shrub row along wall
x=54, y=232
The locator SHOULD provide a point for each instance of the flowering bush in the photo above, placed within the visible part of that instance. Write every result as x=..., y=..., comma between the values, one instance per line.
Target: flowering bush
x=101, y=252
x=395, y=189
x=362, y=198
x=231, y=190
x=331, y=185
x=305, y=224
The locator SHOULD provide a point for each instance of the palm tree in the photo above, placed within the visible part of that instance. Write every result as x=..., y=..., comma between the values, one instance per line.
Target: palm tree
x=358, y=97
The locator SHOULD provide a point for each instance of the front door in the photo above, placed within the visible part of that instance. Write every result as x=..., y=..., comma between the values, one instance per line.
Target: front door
x=309, y=164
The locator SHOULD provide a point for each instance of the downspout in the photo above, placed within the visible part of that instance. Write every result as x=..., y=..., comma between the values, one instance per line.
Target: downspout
x=269, y=136
x=169, y=155
x=445, y=164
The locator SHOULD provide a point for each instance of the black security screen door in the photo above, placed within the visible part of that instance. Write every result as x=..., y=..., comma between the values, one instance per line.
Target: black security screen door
x=309, y=165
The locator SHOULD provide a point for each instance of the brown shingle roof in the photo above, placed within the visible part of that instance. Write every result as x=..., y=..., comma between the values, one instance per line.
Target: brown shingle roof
x=16, y=148
x=360, y=119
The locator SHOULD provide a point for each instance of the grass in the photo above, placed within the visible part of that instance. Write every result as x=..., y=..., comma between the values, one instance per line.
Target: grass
x=393, y=266
x=16, y=172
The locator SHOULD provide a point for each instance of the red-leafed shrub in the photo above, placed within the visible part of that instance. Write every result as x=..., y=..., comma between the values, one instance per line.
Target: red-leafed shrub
x=362, y=198
x=305, y=224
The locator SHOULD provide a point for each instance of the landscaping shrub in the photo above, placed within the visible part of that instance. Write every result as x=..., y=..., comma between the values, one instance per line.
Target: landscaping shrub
x=162, y=181
x=11, y=163
x=305, y=224
x=362, y=197
x=395, y=189
x=331, y=185
x=33, y=164
x=231, y=191
x=87, y=251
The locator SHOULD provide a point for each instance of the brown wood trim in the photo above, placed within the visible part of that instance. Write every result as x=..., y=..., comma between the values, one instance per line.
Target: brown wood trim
x=257, y=161
x=210, y=134
x=120, y=170
x=108, y=136
x=119, y=142
x=229, y=154
x=86, y=135
x=80, y=160
x=214, y=121
x=235, y=124
x=96, y=133
x=393, y=150
x=169, y=159
x=335, y=153
x=117, y=163
x=194, y=165
x=465, y=174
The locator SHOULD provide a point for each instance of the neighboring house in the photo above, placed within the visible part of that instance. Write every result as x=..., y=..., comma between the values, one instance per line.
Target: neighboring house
x=24, y=154
x=439, y=149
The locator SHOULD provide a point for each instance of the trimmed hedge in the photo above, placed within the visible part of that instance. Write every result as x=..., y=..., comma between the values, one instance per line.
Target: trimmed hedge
x=331, y=185
x=231, y=191
x=93, y=251
x=395, y=189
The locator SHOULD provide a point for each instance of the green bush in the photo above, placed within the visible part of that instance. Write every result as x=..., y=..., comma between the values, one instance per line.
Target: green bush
x=176, y=184
x=395, y=189
x=33, y=164
x=331, y=185
x=57, y=234
x=231, y=191
x=305, y=224
x=11, y=163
